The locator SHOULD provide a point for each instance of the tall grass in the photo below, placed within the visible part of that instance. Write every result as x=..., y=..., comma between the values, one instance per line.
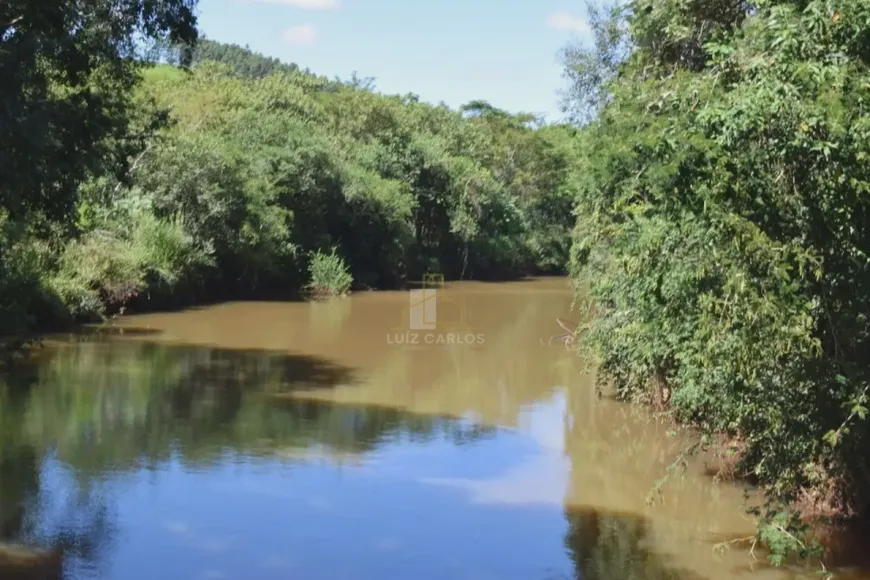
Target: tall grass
x=329, y=275
x=106, y=268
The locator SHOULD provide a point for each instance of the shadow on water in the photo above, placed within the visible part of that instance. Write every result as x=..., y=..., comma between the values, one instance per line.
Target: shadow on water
x=609, y=546
x=101, y=408
x=110, y=405
x=848, y=548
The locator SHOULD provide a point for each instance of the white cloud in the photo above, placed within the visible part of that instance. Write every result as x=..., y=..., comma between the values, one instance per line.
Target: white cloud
x=302, y=35
x=567, y=21
x=303, y=4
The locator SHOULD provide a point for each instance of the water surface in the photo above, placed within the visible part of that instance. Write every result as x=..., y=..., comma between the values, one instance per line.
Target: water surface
x=305, y=440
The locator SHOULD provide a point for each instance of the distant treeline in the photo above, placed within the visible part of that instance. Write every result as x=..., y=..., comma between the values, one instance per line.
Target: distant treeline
x=243, y=61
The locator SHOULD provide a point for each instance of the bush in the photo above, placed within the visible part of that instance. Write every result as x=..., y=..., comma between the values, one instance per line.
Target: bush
x=106, y=268
x=723, y=235
x=329, y=275
x=98, y=270
x=22, y=262
x=166, y=252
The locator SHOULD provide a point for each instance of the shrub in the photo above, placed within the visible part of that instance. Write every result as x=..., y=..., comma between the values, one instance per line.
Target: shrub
x=21, y=263
x=104, y=269
x=165, y=251
x=97, y=270
x=329, y=274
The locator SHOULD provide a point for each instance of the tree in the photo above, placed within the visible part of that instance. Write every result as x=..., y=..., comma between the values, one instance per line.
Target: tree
x=68, y=69
x=723, y=233
x=481, y=108
x=67, y=73
x=590, y=70
x=243, y=61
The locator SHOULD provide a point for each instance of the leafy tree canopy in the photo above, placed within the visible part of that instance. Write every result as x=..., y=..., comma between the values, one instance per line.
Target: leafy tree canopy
x=66, y=73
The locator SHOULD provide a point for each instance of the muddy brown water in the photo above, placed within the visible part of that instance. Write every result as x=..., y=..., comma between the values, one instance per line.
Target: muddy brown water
x=368, y=437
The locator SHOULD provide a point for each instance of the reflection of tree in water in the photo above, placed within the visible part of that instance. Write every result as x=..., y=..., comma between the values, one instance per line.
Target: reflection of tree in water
x=19, y=481
x=77, y=523
x=103, y=407
x=41, y=525
x=19, y=464
x=113, y=404
x=607, y=546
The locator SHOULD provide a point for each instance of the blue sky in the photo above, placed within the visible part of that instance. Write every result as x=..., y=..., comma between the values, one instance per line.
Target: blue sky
x=502, y=51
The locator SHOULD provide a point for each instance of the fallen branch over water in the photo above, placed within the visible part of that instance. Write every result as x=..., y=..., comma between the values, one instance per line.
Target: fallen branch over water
x=720, y=547
x=568, y=336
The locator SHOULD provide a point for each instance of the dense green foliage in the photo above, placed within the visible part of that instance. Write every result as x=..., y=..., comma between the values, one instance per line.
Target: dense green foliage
x=266, y=171
x=66, y=93
x=224, y=179
x=722, y=232
x=67, y=111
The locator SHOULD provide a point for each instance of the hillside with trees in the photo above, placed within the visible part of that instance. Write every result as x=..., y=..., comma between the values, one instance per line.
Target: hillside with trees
x=241, y=176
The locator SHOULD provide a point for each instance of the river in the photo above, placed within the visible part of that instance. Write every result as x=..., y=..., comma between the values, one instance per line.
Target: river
x=371, y=437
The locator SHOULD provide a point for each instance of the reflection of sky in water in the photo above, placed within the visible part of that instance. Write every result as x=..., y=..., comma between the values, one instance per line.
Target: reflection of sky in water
x=542, y=474
x=490, y=509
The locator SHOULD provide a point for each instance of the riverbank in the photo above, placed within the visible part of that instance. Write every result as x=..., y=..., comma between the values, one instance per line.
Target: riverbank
x=722, y=231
